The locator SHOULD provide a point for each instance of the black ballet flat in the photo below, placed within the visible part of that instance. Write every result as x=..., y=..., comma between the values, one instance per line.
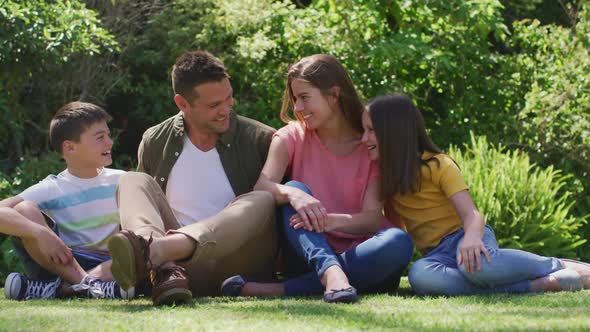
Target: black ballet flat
x=346, y=295
x=232, y=286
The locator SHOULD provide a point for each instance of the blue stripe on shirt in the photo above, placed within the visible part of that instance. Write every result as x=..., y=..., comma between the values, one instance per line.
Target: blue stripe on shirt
x=81, y=197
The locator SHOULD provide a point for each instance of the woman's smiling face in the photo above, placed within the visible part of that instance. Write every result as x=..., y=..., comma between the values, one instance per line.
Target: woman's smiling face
x=311, y=105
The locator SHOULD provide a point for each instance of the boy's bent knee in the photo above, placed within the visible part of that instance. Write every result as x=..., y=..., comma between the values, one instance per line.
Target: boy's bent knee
x=31, y=211
x=26, y=206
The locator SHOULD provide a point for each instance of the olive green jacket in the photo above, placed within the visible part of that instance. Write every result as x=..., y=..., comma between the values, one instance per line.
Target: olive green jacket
x=242, y=149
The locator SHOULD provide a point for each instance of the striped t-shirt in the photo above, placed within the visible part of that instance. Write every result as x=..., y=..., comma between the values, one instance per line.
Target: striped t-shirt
x=85, y=210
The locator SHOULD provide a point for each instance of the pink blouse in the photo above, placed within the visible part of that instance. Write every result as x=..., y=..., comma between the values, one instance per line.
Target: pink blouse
x=339, y=182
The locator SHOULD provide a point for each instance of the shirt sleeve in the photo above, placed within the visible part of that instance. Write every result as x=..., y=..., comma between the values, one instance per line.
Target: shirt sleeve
x=450, y=179
x=264, y=139
x=40, y=192
x=142, y=160
x=290, y=136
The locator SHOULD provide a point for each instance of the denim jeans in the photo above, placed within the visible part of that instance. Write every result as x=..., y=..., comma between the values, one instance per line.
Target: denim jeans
x=382, y=257
x=509, y=270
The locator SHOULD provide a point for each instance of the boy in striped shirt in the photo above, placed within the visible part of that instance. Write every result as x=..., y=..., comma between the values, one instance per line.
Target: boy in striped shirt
x=61, y=225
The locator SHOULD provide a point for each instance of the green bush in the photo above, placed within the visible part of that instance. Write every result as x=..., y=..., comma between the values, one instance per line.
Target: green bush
x=29, y=171
x=525, y=204
x=45, y=48
x=553, y=124
x=9, y=261
x=555, y=120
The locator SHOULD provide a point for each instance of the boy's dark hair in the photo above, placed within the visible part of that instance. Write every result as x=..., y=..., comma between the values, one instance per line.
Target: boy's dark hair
x=194, y=68
x=70, y=121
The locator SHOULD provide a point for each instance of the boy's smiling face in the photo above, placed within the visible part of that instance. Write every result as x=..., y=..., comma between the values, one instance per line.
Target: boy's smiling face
x=92, y=150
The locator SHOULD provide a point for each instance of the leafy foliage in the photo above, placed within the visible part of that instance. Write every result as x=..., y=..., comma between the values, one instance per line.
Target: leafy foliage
x=524, y=204
x=555, y=120
x=40, y=45
x=9, y=261
x=29, y=171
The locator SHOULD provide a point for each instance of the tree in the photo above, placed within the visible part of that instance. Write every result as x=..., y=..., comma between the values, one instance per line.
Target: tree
x=41, y=43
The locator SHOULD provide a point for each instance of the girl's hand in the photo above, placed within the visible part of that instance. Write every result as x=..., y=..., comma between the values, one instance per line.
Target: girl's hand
x=296, y=222
x=312, y=214
x=474, y=226
x=470, y=253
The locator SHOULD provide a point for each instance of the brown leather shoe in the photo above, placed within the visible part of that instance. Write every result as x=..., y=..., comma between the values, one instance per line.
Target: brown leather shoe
x=131, y=258
x=170, y=285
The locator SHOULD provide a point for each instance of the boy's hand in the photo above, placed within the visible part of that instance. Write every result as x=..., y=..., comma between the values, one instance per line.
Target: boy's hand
x=54, y=249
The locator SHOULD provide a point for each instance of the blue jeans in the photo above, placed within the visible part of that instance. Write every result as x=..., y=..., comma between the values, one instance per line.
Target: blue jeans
x=87, y=260
x=509, y=270
x=380, y=258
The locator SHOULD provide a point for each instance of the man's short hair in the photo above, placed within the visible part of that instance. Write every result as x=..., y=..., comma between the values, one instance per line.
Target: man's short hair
x=194, y=68
x=71, y=120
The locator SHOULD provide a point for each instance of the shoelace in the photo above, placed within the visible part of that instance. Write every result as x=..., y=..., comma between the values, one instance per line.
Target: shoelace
x=89, y=284
x=41, y=289
x=107, y=287
x=169, y=272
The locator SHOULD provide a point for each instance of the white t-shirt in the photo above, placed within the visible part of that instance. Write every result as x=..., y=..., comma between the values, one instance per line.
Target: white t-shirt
x=197, y=185
x=85, y=210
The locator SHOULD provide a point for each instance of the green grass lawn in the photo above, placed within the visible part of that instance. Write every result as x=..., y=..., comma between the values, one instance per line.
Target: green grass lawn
x=557, y=311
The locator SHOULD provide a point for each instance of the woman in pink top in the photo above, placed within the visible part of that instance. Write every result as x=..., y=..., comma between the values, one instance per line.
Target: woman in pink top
x=339, y=230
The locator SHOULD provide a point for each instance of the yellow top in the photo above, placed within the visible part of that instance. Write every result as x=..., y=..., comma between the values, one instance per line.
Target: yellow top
x=428, y=214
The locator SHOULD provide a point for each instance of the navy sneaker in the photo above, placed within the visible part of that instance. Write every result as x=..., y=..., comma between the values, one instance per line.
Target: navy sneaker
x=19, y=287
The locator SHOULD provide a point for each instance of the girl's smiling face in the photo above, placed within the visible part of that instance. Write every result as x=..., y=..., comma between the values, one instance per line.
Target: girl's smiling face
x=369, y=138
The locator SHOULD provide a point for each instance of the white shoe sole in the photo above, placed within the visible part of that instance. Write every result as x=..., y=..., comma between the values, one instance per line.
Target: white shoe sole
x=569, y=280
x=13, y=285
x=129, y=294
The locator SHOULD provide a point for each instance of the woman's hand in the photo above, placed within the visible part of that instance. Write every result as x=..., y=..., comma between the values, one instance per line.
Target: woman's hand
x=470, y=253
x=311, y=214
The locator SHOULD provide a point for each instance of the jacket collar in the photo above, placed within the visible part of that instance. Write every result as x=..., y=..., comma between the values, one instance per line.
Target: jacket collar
x=225, y=138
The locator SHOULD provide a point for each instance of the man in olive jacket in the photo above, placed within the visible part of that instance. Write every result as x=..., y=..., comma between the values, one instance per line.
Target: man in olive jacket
x=189, y=217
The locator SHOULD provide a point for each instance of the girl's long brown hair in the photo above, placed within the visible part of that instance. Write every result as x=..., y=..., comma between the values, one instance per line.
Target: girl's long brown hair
x=402, y=138
x=324, y=72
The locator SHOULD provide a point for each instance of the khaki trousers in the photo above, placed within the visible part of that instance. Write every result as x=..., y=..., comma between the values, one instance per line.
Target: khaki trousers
x=240, y=239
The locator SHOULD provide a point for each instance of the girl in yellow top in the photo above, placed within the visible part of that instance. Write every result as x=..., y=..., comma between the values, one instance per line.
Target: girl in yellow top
x=460, y=252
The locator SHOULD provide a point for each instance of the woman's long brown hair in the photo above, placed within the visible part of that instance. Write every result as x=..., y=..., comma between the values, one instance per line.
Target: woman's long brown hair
x=402, y=139
x=324, y=72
